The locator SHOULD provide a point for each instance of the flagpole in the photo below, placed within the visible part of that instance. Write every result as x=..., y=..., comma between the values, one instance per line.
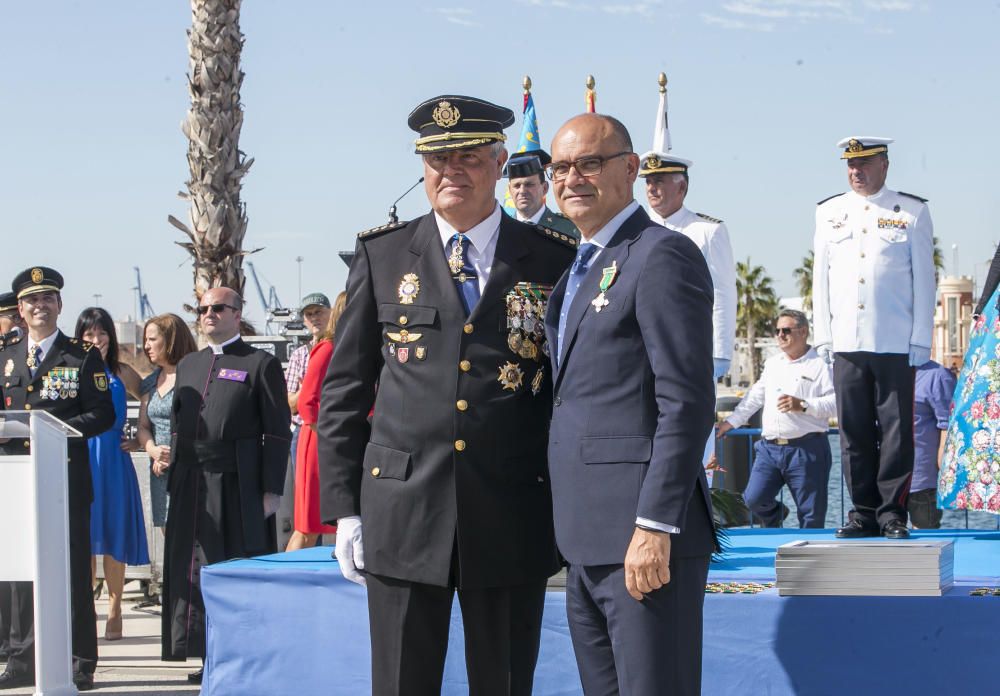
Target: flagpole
x=591, y=95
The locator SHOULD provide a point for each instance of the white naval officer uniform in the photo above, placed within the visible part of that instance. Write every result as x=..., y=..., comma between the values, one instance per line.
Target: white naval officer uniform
x=873, y=306
x=712, y=239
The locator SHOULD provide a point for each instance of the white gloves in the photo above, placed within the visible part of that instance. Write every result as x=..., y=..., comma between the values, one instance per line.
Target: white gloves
x=824, y=351
x=919, y=355
x=349, y=552
x=721, y=367
x=271, y=503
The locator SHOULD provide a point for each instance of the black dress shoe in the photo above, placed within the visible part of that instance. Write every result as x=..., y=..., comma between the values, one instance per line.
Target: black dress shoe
x=855, y=529
x=83, y=681
x=195, y=677
x=896, y=530
x=16, y=680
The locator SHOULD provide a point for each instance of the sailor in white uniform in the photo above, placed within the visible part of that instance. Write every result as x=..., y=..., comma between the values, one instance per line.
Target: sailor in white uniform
x=666, y=187
x=873, y=311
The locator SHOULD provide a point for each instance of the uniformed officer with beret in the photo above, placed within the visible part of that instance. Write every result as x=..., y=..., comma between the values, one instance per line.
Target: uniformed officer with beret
x=528, y=187
x=65, y=377
x=873, y=314
x=449, y=481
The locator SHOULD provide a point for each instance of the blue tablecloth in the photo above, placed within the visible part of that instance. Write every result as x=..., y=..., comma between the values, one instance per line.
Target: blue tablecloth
x=290, y=624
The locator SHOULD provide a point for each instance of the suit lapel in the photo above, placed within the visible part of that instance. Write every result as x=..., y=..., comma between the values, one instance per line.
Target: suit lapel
x=552, y=317
x=432, y=269
x=504, y=272
x=616, y=251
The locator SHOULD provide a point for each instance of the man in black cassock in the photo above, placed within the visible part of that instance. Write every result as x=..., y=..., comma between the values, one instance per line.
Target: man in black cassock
x=229, y=449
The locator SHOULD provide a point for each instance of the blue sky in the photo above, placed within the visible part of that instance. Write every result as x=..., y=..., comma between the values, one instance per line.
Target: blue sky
x=760, y=91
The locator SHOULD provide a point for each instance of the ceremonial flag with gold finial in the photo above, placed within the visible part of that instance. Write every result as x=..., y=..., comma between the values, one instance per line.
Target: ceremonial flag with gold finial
x=661, y=134
x=591, y=95
x=529, y=139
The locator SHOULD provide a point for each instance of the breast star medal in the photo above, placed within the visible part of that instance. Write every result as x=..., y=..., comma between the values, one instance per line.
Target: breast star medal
x=409, y=288
x=511, y=376
x=607, y=278
x=455, y=261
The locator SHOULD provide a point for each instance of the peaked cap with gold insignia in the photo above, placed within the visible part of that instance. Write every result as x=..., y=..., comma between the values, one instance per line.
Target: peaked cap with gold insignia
x=863, y=146
x=35, y=280
x=654, y=162
x=453, y=122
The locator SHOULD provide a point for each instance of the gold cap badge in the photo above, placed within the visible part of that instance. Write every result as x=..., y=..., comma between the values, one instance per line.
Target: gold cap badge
x=36, y=275
x=445, y=115
x=652, y=162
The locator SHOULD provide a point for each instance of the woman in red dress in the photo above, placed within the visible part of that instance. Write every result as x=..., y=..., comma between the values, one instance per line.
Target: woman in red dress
x=307, y=522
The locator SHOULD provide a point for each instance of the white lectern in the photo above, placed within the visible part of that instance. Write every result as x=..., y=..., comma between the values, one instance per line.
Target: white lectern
x=34, y=510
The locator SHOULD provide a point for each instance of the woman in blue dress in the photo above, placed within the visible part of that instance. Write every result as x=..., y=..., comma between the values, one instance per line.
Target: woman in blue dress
x=970, y=469
x=117, y=527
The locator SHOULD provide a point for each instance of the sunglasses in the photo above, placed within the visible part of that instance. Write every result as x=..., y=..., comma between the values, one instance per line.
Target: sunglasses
x=215, y=308
x=784, y=331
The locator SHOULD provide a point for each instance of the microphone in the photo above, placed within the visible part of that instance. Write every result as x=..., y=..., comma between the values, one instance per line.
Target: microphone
x=15, y=333
x=392, y=211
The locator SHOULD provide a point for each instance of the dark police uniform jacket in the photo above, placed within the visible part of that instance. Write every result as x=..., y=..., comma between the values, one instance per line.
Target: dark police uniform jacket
x=230, y=414
x=70, y=384
x=454, y=460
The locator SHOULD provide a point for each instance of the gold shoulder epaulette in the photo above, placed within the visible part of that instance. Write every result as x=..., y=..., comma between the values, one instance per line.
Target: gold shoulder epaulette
x=389, y=227
x=829, y=198
x=12, y=341
x=556, y=236
x=717, y=221
x=912, y=195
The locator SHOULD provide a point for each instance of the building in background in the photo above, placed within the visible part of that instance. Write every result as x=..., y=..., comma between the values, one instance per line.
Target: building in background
x=952, y=320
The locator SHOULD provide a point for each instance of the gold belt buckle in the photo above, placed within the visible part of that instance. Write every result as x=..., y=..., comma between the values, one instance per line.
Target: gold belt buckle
x=780, y=441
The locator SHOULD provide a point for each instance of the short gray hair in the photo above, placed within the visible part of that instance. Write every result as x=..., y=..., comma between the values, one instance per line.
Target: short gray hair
x=801, y=320
x=496, y=147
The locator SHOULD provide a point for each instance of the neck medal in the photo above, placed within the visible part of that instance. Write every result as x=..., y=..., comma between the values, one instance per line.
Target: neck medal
x=455, y=261
x=607, y=278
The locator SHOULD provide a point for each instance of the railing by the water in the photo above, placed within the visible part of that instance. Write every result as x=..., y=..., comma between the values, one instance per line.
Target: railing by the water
x=751, y=433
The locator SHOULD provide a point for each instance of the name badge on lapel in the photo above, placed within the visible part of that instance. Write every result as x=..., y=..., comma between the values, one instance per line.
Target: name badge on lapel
x=233, y=375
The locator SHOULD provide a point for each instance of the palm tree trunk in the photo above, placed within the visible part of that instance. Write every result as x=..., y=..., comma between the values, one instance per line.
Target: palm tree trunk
x=217, y=220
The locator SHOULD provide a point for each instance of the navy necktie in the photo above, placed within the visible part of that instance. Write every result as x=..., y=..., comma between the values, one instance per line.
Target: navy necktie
x=464, y=275
x=576, y=273
x=36, y=354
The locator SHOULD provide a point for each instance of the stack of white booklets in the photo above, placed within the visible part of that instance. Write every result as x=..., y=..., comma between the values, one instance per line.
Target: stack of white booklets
x=865, y=567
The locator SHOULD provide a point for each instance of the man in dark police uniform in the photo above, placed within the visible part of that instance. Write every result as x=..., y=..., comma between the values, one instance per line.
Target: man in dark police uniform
x=230, y=425
x=48, y=371
x=444, y=315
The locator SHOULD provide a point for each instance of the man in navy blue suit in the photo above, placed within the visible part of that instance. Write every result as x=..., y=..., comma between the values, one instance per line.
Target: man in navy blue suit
x=630, y=328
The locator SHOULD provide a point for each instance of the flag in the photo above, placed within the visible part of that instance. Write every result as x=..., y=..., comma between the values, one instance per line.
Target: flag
x=661, y=133
x=529, y=140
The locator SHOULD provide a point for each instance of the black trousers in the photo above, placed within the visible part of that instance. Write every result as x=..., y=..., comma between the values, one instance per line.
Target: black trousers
x=409, y=636
x=875, y=410
x=631, y=648
x=83, y=616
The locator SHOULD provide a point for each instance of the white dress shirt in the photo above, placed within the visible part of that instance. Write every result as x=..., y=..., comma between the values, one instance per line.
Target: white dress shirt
x=712, y=239
x=534, y=218
x=482, y=242
x=217, y=348
x=808, y=378
x=45, y=344
x=873, y=274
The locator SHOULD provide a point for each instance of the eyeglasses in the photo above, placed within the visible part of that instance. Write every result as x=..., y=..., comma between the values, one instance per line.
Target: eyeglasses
x=585, y=166
x=785, y=331
x=216, y=308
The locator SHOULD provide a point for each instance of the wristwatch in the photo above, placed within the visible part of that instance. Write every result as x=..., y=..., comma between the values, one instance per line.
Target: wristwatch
x=804, y=406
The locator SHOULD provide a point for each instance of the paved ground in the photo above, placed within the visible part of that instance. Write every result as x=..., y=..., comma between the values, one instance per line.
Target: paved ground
x=132, y=665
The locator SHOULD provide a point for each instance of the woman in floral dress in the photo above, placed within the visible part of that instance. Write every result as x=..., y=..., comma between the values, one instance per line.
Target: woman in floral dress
x=970, y=470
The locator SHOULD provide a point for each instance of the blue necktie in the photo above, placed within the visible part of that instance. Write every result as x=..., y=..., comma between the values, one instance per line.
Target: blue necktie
x=576, y=273
x=465, y=277
x=36, y=353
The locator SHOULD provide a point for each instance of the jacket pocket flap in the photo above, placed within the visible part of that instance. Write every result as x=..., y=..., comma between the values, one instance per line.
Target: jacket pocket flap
x=407, y=315
x=614, y=450
x=385, y=462
x=13, y=381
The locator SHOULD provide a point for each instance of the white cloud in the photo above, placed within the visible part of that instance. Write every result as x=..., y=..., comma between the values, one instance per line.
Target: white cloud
x=644, y=9
x=457, y=15
x=738, y=24
x=889, y=5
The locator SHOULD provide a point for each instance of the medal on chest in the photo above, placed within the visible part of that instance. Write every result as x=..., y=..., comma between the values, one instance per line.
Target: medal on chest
x=608, y=276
